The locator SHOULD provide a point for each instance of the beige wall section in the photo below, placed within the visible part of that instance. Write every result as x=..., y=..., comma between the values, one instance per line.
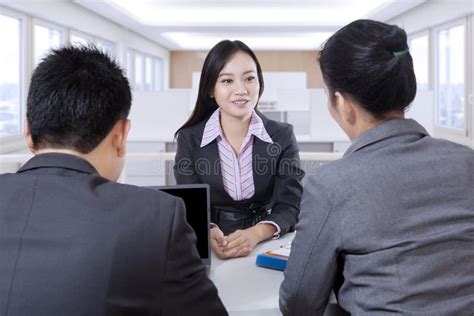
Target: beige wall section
x=298, y=61
x=183, y=64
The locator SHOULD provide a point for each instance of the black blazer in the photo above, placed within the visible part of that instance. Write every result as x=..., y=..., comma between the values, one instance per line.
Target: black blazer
x=277, y=171
x=73, y=243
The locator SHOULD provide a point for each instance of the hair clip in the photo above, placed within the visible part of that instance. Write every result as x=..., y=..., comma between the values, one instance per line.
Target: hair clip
x=400, y=53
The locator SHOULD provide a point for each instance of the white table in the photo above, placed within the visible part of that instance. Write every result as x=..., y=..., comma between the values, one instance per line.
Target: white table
x=246, y=289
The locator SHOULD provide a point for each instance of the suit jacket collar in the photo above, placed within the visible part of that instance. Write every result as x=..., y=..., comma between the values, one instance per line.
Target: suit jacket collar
x=58, y=160
x=213, y=130
x=385, y=130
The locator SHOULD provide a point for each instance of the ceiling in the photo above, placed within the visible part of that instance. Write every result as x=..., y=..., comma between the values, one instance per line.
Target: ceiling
x=262, y=24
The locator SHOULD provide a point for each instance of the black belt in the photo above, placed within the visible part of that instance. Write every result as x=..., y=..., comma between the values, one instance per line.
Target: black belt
x=230, y=218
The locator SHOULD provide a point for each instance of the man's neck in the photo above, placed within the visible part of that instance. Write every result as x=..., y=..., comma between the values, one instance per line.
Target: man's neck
x=60, y=151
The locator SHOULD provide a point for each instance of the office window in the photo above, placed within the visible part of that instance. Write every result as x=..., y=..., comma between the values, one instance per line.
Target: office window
x=10, y=75
x=158, y=82
x=130, y=67
x=148, y=74
x=450, y=77
x=419, y=50
x=138, y=72
x=45, y=39
x=106, y=47
x=145, y=72
x=79, y=40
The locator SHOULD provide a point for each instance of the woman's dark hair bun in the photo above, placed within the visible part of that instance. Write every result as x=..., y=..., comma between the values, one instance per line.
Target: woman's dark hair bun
x=396, y=40
x=370, y=61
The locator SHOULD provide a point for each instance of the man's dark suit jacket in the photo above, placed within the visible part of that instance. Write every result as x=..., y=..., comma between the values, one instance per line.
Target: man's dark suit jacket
x=74, y=243
x=277, y=172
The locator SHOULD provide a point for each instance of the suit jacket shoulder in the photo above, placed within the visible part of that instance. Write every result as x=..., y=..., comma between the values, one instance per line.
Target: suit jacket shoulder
x=192, y=135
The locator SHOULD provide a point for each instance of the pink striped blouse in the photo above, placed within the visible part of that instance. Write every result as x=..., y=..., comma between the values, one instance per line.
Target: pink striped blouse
x=237, y=171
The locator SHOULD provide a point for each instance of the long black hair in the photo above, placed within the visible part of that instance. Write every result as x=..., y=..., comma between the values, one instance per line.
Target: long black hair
x=370, y=61
x=215, y=60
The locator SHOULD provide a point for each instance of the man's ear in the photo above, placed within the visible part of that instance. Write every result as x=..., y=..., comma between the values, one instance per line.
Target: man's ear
x=28, y=138
x=345, y=108
x=119, y=140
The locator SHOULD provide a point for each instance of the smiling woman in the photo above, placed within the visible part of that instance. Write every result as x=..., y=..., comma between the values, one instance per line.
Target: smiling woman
x=250, y=162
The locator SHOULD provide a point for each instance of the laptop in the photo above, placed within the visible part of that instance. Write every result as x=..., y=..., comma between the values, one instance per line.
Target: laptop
x=197, y=201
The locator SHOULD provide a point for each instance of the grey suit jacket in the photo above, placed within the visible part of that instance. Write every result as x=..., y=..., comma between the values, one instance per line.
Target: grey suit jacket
x=277, y=171
x=73, y=243
x=389, y=227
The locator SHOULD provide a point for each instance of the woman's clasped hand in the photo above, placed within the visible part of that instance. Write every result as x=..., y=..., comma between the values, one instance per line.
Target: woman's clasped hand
x=241, y=242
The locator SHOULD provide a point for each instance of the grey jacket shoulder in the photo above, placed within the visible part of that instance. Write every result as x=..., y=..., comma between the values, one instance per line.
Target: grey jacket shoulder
x=330, y=174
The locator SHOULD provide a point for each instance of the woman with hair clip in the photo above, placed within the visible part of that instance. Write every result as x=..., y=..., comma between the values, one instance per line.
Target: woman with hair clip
x=390, y=226
x=250, y=162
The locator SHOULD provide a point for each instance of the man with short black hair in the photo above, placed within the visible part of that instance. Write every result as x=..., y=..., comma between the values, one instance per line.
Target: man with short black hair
x=72, y=240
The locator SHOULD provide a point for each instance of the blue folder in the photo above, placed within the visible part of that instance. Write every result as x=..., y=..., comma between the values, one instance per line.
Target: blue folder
x=271, y=261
